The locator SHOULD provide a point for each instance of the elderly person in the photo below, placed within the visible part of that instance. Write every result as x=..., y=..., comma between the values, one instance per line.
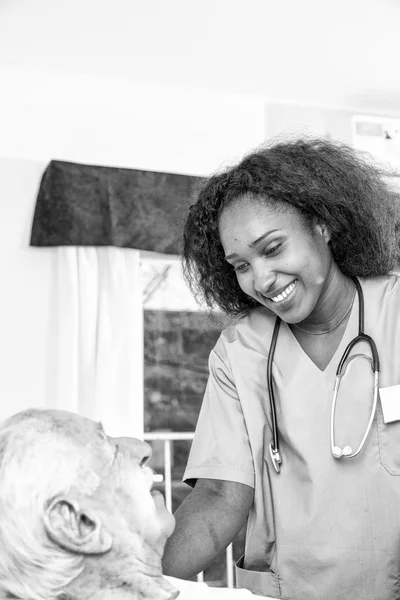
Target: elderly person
x=78, y=519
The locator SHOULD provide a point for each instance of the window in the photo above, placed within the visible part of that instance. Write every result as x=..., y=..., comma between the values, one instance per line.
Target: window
x=178, y=337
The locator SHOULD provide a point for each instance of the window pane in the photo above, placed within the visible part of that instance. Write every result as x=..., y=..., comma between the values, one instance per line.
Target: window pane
x=178, y=338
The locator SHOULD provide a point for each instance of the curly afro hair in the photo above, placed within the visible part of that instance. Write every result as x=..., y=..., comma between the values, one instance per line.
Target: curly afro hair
x=327, y=182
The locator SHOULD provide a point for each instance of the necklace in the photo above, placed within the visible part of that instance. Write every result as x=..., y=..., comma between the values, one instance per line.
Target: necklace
x=335, y=326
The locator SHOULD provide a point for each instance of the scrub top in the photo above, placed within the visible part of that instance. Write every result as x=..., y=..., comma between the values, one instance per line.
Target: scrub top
x=322, y=529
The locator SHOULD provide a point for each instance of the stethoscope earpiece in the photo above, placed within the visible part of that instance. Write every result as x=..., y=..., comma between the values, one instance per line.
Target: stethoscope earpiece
x=339, y=452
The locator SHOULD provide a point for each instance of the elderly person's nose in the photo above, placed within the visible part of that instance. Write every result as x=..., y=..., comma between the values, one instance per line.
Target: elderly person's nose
x=136, y=449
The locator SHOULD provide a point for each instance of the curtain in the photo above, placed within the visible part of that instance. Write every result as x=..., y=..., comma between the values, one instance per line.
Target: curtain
x=86, y=205
x=97, y=219
x=96, y=337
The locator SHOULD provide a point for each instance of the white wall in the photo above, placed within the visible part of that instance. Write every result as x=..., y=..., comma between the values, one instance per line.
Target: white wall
x=132, y=124
x=296, y=119
x=45, y=116
x=331, y=53
x=25, y=291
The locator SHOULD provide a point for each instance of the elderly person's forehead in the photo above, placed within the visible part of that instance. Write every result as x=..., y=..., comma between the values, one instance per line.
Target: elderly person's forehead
x=78, y=428
x=70, y=425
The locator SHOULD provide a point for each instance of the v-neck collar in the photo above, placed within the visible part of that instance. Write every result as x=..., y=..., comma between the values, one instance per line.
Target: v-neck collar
x=288, y=341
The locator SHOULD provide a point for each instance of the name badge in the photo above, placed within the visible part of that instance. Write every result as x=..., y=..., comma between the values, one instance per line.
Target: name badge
x=390, y=401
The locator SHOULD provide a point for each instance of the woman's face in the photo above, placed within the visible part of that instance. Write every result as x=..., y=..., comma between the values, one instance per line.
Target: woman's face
x=278, y=260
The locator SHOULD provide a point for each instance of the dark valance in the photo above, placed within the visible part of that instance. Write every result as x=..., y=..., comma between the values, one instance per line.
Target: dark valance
x=84, y=205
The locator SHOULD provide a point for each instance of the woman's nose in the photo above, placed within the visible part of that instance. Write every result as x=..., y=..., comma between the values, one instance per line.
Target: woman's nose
x=263, y=281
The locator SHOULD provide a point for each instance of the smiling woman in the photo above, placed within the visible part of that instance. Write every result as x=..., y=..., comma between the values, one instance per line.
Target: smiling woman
x=282, y=241
x=325, y=182
x=261, y=242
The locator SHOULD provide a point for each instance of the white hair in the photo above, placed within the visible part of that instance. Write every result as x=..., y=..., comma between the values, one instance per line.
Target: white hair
x=38, y=462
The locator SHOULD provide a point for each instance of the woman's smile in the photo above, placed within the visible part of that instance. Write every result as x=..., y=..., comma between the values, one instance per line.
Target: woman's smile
x=285, y=295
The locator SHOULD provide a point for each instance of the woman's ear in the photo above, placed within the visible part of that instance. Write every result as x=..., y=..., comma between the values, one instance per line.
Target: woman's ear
x=326, y=233
x=323, y=230
x=75, y=530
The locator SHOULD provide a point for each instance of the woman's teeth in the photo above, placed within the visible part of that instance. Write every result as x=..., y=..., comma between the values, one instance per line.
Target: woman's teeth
x=285, y=293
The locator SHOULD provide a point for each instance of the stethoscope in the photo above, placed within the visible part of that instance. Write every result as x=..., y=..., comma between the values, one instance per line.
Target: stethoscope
x=337, y=452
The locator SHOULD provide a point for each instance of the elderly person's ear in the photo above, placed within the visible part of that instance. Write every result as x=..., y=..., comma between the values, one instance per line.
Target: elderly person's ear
x=74, y=529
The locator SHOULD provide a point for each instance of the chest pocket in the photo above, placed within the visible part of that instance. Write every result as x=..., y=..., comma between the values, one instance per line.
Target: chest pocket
x=389, y=443
x=261, y=583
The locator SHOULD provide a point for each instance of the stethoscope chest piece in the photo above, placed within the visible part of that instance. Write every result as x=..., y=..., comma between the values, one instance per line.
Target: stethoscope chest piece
x=275, y=458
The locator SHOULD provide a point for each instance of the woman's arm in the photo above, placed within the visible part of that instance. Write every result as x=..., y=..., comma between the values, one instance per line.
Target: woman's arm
x=206, y=522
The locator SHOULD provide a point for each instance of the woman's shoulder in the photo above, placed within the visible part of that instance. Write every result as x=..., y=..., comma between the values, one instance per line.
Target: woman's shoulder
x=382, y=304
x=385, y=286
x=253, y=330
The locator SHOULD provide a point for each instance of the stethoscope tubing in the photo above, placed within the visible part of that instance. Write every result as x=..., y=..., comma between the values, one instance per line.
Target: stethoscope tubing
x=346, y=452
x=336, y=451
x=274, y=447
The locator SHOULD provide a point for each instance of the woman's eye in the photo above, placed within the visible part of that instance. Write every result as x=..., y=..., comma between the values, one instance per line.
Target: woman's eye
x=272, y=250
x=240, y=268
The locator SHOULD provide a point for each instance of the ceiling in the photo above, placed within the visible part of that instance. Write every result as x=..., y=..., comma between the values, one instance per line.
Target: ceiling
x=342, y=53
